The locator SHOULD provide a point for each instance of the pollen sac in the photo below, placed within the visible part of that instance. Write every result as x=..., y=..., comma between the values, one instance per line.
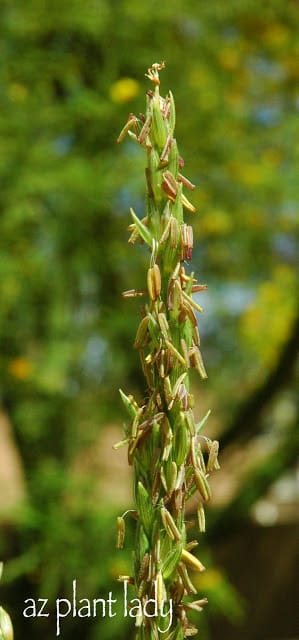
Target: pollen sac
x=201, y=518
x=174, y=232
x=142, y=332
x=202, y=485
x=154, y=282
x=169, y=185
x=191, y=561
x=120, y=532
x=169, y=525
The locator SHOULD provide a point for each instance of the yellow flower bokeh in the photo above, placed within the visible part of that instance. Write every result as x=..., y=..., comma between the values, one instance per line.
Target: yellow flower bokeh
x=20, y=368
x=124, y=90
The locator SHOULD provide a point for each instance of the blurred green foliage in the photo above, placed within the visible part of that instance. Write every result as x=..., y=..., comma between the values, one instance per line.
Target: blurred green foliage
x=70, y=74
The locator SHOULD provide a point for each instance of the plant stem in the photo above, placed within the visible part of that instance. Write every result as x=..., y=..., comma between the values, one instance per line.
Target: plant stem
x=163, y=442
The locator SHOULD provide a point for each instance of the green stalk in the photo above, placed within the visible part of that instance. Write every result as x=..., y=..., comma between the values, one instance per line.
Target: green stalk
x=164, y=445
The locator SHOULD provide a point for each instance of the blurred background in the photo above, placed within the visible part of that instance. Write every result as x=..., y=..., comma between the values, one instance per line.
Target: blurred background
x=70, y=74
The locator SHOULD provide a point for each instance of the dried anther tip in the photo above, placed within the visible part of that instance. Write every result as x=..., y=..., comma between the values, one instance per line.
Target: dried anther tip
x=133, y=293
x=196, y=605
x=189, y=586
x=131, y=123
x=127, y=579
x=153, y=72
x=169, y=185
x=145, y=130
x=168, y=143
x=185, y=182
x=192, y=302
x=199, y=287
x=213, y=463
